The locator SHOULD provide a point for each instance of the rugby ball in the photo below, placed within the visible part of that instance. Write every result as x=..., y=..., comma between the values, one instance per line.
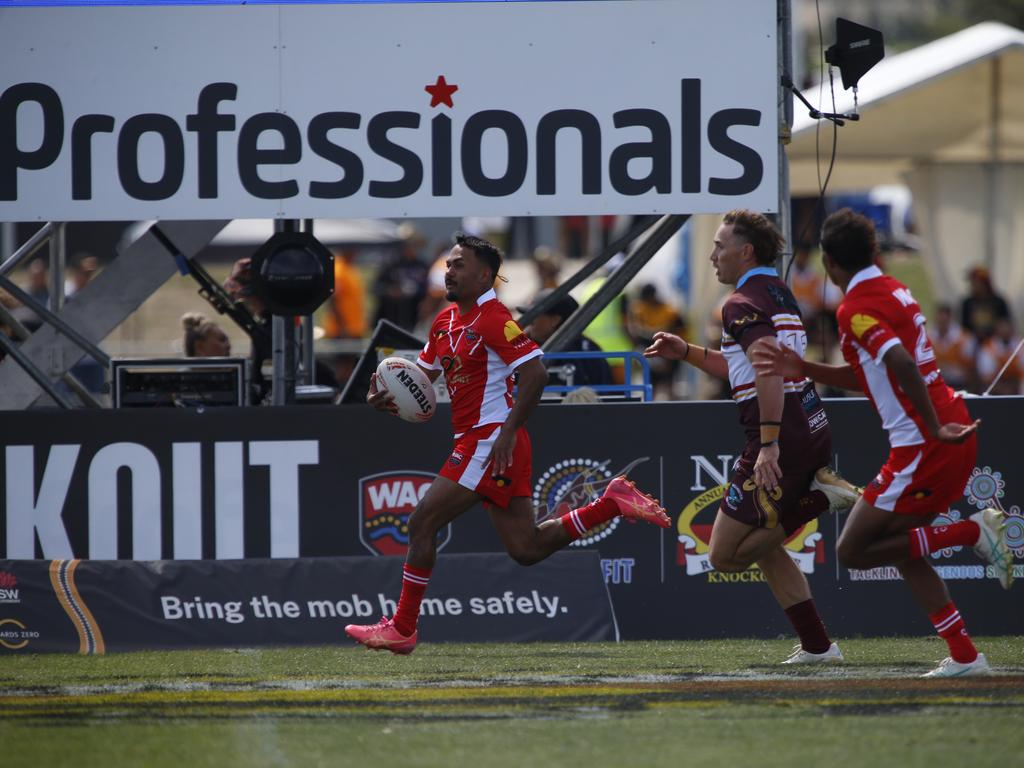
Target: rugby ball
x=414, y=395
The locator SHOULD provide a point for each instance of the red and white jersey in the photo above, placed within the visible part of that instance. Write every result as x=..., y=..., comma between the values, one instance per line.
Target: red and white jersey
x=477, y=352
x=878, y=313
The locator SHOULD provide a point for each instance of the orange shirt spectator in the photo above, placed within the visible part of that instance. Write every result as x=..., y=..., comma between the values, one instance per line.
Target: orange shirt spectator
x=346, y=312
x=993, y=356
x=807, y=285
x=955, y=350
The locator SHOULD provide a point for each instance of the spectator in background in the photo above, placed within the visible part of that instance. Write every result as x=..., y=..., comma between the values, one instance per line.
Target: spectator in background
x=817, y=299
x=402, y=285
x=548, y=265
x=648, y=314
x=83, y=268
x=345, y=317
x=567, y=372
x=38, y=288
x=8, y=303
x=38, y=281
x=994, y=354
x=807, y=284
x=204, y=338
x=955, y=350
x=435, y=300
x=983, y=306
x=610, y=328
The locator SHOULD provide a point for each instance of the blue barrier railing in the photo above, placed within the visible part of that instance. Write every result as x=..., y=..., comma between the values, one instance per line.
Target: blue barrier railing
x=626, y=389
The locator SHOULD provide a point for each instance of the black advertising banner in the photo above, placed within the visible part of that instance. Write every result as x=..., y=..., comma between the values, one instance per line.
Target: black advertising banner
x=287, y=483
x=95, y=606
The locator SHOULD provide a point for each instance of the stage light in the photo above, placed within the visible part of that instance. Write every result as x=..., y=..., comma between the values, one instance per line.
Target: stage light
x=293, y=273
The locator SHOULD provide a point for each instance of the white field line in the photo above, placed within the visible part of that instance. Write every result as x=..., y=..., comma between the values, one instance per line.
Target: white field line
x=831, y=672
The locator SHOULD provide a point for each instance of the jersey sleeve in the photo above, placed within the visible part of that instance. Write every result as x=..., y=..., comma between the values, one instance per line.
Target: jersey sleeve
x=869, y=331
x=745, y=322
x=428, y=356
x=503, y=335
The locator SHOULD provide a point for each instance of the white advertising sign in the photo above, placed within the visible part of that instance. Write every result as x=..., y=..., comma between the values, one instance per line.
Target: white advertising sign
x=336, y=111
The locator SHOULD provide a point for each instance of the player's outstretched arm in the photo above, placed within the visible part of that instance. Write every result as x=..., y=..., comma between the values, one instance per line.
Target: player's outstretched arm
x=783, y=361
x=904, y=369
x=672, y=347
x=532, y=378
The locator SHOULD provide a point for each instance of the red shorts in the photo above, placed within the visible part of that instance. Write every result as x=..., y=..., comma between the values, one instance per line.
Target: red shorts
x=923, y=479
x=470, y=466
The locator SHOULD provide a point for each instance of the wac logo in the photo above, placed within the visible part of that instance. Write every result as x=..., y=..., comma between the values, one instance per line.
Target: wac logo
x=694, y=529
x=8, y=593
x=385, y=502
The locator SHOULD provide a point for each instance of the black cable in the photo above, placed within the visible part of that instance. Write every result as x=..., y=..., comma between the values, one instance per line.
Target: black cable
x=822, y=186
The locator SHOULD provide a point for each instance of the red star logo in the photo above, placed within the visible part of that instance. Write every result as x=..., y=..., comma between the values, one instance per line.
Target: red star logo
x=440, y=92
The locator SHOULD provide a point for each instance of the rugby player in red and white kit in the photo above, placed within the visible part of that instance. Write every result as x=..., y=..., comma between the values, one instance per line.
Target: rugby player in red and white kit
x=477, y=345
x=932, y=438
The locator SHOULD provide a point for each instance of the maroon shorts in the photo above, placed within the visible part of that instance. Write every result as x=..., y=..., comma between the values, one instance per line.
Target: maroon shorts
x=783, y=505
x=789, y=504
x=470, y=465
x=923, y=479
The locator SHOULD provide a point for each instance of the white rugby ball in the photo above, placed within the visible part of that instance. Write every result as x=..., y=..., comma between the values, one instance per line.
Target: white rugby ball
x=414, y=394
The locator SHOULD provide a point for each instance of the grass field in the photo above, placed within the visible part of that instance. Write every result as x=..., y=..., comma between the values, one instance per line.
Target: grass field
x=637, y=703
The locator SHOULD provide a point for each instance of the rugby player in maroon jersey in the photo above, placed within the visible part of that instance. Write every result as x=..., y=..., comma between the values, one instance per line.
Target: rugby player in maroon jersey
x=781, y=480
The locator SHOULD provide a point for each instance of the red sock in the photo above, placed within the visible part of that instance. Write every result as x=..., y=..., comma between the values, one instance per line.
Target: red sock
x=951, y=628
x=414, y=585
x=809, y=627
x=932, y=538
x=579, y=521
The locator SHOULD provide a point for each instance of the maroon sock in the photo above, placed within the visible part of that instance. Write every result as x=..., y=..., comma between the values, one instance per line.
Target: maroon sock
x=579, y=521
x=809, y=627
x=414, y=586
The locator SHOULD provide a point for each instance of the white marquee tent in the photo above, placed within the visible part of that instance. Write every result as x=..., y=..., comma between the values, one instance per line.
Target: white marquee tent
x=947, y=120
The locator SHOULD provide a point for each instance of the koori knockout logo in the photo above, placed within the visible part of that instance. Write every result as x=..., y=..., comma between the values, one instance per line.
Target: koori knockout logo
x=385, y=502
x=805, y=545
x=571, y=484
x=8, y=588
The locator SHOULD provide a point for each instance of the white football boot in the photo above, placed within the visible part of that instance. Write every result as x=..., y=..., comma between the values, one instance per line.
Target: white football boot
x=800, y=656
x=992, y=546
x=949, y=668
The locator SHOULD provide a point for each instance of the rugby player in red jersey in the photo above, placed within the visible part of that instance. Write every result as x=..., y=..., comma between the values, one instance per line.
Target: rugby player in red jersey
x=932, y=438
x=478, y=346
x=781, y=480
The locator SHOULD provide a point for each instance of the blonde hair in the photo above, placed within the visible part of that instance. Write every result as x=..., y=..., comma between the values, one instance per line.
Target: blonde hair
x=196, y=328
